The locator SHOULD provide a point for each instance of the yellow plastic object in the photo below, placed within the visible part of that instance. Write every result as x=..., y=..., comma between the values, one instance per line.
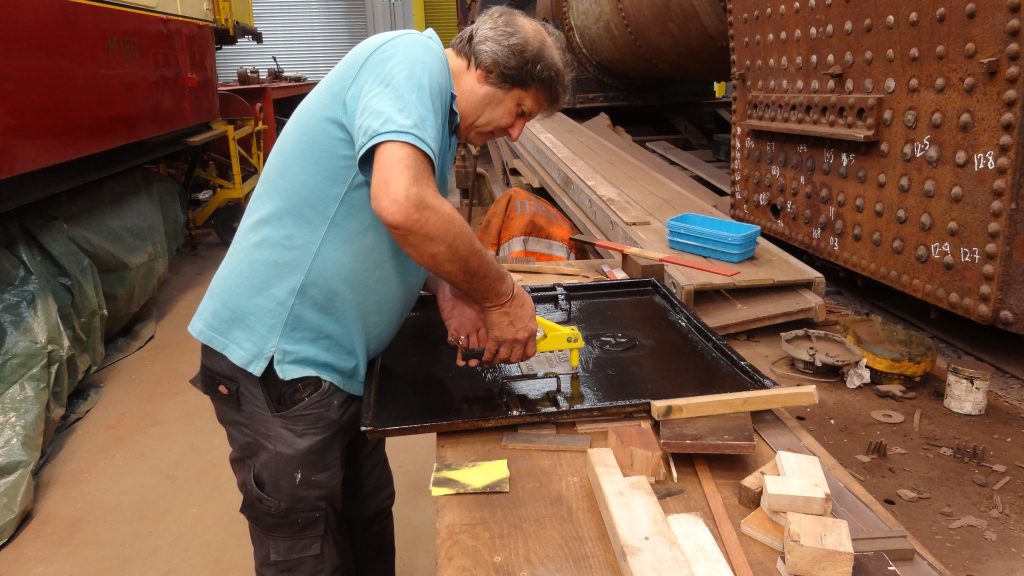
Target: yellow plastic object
x=557, y=337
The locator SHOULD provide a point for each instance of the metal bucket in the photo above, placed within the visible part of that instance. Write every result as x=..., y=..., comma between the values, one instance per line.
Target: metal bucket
x=967, y=387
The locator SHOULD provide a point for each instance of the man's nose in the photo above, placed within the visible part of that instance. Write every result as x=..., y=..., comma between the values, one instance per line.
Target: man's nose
x=516, y=129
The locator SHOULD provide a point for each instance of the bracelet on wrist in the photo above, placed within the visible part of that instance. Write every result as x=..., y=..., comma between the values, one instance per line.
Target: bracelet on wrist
x=507, y=299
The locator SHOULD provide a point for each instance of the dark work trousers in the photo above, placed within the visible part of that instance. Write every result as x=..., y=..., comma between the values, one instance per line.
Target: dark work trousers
x=316, y=491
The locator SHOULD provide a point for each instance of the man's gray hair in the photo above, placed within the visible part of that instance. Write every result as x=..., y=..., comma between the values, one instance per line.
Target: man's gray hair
x=511, y=47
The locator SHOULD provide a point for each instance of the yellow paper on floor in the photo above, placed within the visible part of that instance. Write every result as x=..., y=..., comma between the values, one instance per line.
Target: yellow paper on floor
x=469, y=477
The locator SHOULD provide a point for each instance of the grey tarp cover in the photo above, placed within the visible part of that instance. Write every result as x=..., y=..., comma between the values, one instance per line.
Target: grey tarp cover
x=74, y=269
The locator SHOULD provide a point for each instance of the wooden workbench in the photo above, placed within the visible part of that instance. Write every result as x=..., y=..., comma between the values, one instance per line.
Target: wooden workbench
x=549, y=522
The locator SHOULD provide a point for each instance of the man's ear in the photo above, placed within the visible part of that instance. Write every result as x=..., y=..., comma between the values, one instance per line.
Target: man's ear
x=482, y=75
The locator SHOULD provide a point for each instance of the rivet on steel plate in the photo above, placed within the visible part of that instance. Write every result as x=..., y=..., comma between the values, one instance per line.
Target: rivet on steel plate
x=960, y=158
x=996, y=208
x=970, y=50
x=782, y=37
x=970, y=84
x=940, y=293
x=890, y=55
x=883, y=149
x=857, y=231
x=1013, y=5
x=839, y=227
x=999, y=187
x=925, y=222
x=813, y=32
x=985, y=292
x=929, y=188
x=881, y=180
x=849, y=88
x=771, y=39
x=932, y=155
x=868, y=25
x=922, y=253
x=829, y=30
x=914, y=54
x=826, y=168
x=797, y=35
x=952, y=228
x=913, y=18
x=988, y=271
x=966, y=121
x=1013, y=27
x=956, y=193
x=910, y=119
x=799, y=85
x=822, y=221
x=893, y=275
x=814, y=85
x=890, y=21
x=887, y=117
x=814, y=60
x=862, y=176
x=991, y=251
x=825, y=194
x=879, y=209
x=913, y=84
x=908, y=151
x=940, y=52
x=904, y=183
x=848, y=59
x=940, y=15
x=937, y=119
x=876, y=239
x=1002, y=164
x=983, y=312
x=890, y=85
x=953, y=299
x=947, y=262
x=858, y=204
x=970, y=10
x=1012, y=74
x=901, y=215
x=1013, y=51
x=1010, y=97
x=1007, y=120
x=994, y=229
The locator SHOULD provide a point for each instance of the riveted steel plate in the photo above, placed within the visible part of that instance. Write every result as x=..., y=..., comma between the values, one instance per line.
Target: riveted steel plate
x=884, y=137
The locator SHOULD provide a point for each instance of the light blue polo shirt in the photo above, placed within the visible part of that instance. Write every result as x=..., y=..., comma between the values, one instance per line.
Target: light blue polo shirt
x=312, y=278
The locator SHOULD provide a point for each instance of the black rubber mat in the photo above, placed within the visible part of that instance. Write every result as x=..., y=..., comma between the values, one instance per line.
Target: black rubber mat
x=641, y=344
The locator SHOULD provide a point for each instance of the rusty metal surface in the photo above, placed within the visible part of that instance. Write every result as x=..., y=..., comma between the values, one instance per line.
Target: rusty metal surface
x=641, y=344
x=637, y=41
x=884, y=137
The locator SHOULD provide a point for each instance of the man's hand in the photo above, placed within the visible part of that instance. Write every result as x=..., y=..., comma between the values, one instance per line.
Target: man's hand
x=463, y=318
x=511, y=329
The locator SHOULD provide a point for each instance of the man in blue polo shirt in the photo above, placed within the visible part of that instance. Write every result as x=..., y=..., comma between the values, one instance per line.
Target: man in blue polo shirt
x=347, y=224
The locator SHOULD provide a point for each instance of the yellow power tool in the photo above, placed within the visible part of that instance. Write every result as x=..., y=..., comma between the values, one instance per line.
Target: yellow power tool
x=558, y=350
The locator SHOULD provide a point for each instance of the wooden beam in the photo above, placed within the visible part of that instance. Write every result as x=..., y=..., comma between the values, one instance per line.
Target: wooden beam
x=698, y=545
x=893, y=543
x=818, y=545
x=715, y=176
x=637, y=451
x=605, y=424
x=796, y=465
x=731, y=402
x=641, y=538
x=527, y=441
x=730, y=540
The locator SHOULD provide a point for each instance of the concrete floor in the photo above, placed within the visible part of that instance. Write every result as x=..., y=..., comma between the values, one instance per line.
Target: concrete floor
x=142, y=484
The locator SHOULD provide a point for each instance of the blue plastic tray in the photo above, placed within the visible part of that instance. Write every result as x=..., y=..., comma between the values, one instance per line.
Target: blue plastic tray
x=711, y=243
x=717, y=254
x=712, y=228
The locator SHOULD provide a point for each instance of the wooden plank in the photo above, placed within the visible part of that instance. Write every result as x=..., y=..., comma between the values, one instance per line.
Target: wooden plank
x=731, y=402
x=546, y=269
x=605, y=424
x=640, y=535
x=637, y=451
x=751, y=487
x=759, y=526
x=694, y=263
x=721, y=434
x=729, y=312
x=698, y=545
x=526, y=441
x=895, y=547
x=818, y=545
x=726, y=531
x=716, y=177
x=789, y=494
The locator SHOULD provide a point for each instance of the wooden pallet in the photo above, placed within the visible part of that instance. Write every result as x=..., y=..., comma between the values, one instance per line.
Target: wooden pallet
x=617, y=190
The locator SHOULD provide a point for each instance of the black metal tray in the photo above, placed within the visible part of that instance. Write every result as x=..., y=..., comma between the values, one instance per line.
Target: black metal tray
x=641, y=344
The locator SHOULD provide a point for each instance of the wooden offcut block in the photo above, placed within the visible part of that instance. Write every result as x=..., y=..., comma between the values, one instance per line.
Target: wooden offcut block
x=760, y=527
x=636, y=267
x=796, y=465
x=752, y=486
x=720, y=434
x=818, y=546
x=785, y=494
x=731, y=402
x=637, y=450
x=893, y=543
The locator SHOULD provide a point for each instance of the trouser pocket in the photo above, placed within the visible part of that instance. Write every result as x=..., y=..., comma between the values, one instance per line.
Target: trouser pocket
x=283, y=532
x=217, y=377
